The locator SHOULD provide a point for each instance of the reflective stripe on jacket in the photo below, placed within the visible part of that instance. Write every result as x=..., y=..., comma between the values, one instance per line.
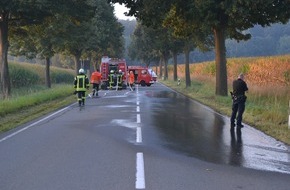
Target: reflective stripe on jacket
x=81, y=82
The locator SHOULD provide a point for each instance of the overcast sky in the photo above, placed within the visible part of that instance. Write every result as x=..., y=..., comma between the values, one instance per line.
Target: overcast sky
x=119, y=12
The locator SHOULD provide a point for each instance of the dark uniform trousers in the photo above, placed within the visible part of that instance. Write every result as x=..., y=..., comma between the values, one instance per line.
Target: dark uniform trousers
x=238, y=107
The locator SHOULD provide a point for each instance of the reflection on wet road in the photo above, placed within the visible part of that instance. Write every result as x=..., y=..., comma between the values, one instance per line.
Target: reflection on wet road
x=191, y=128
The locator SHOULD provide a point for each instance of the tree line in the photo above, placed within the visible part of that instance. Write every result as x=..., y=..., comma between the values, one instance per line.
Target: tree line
x=82, y=29
x=167, y=28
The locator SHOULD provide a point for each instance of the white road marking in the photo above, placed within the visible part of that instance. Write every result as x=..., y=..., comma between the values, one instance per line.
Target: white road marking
x=140, y=175
x=138, y=118
x=138, y=135
x=31, y=125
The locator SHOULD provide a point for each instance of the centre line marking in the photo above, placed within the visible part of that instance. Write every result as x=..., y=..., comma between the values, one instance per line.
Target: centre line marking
x=138, y=109
x=138, y=135
x=138, y=118
x=140, y=174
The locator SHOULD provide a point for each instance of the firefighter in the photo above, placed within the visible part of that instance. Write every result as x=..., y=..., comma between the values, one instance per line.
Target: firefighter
x=111, y=79
x=95, y=81
x=81, y=84
x=119, y=79
x=131, y=80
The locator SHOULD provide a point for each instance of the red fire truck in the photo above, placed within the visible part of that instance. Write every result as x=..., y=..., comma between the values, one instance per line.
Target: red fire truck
x=113, y=66
x=142, y=75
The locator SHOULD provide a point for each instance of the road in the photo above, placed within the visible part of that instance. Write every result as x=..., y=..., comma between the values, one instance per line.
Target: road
x=151, y=138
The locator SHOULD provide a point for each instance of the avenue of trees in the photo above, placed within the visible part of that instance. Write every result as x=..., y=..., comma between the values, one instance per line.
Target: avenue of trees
x=82, y=29
x=201, y=24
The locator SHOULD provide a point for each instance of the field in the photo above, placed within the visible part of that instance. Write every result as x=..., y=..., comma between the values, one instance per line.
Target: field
x=268, y=79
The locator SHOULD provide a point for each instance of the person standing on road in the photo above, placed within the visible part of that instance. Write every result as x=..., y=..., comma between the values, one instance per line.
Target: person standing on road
x=131, y=80
x=81, y=84
x=95, y=81
x=239, y=99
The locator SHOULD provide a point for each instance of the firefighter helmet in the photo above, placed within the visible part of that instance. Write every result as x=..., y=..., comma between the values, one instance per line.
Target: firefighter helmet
x=81, y=71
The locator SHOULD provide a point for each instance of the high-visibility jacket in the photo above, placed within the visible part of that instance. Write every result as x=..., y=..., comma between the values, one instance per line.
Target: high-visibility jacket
x=120, y=78
x=96, y=77
x=81, y=82
x=131, y=78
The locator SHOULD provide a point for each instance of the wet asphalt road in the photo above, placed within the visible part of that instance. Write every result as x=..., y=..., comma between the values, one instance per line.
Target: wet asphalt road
x=152, y=138
x=197, y=131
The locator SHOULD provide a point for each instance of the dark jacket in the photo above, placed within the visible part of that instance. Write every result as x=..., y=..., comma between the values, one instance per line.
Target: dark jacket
x=239, y=87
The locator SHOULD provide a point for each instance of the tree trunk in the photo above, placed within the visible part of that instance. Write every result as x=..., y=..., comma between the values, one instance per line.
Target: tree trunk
x=77, y=63
x=47, y=72
x=160, y=67
x=165, y=58
x=187, y=71
x=175, y=66
x=4, y=44
x=95, y=65
x=221, y=62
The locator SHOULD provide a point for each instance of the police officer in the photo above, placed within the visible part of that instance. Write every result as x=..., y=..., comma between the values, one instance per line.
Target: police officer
x=239, y=99
x=81, y=84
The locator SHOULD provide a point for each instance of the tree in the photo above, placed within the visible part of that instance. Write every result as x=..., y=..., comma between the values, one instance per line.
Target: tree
x=191, y=36
x=230, y=19
x=15, y=14
x=33, y=41
x=93, y=38
x=142, y=46
x=175, y=50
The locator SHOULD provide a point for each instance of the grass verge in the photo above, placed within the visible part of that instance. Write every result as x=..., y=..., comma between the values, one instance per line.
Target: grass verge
x=22, y=109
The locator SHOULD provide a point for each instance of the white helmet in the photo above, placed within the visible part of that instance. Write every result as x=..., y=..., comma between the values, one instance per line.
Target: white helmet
x=81, y=71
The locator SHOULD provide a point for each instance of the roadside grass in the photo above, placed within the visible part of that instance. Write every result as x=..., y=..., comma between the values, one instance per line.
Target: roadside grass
x=266, y=109
x=28, y=104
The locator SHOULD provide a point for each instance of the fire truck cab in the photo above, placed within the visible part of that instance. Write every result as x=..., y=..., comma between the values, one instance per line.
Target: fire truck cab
x=113, y=68
x=142, y=75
